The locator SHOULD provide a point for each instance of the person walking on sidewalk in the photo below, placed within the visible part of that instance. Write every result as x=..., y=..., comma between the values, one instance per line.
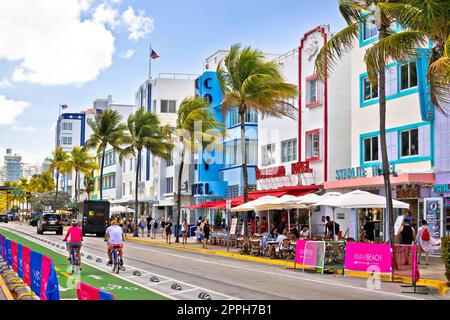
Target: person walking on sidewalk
x=168, y=231
x=154, y=229
x=205, y=229
x=423, y=240
x=163, y=228
x=149, y=225
x=407, y=233
x=185, y=230
x=142, y=225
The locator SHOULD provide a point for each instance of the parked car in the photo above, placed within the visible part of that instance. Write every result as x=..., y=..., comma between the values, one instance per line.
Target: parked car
x=4, y=218
x=50, y=222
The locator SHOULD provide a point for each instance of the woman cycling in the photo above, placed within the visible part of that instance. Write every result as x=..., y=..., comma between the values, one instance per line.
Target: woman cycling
x=76, y=238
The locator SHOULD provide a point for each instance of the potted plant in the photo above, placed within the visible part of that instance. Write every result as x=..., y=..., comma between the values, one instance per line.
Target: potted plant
x=445, y=254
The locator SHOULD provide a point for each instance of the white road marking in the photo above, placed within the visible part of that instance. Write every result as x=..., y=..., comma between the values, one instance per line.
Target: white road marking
x=278, y=274
x=184, y=291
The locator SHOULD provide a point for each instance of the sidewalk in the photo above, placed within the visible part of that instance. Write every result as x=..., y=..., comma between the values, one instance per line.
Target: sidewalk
x=432, y=275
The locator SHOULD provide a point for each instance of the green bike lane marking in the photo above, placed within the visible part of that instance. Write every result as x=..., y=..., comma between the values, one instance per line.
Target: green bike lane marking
x=120, y=288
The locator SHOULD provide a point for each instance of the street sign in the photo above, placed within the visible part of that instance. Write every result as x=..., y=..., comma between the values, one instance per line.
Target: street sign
x=233, y=226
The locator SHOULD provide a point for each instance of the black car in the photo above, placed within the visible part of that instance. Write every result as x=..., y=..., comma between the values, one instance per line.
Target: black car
x=4, y=218
x=50, y=222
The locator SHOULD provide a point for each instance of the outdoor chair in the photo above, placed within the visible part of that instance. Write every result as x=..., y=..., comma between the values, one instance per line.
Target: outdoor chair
x=284, y=249
x=244, y=245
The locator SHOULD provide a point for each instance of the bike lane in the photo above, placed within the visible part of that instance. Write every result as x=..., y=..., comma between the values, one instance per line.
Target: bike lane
x=120, y=288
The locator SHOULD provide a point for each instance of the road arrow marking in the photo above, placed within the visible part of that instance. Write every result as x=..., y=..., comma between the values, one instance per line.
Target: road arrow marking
x=95, y=277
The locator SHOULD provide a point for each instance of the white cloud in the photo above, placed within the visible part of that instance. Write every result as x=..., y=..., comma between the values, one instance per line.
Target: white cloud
x=10, y=110
x=32, y=129
x=5, y=83
x=51, y=44
x=138, y=25
x=104, y=14
x=128, y=54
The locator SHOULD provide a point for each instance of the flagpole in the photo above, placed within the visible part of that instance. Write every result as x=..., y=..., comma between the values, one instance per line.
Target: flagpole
x=150, y=63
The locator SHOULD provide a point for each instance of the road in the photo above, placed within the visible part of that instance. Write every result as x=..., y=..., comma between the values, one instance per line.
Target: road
x=225, y=278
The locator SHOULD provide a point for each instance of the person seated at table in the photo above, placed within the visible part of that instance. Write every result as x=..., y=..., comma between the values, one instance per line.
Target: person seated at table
x=257, y=225
x=294, y=234
x=264, y=226
x=282, y=236
x=273, y=238
x=305, y=232
x=252, y=226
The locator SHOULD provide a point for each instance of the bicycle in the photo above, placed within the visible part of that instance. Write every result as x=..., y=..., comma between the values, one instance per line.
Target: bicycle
x=74, y=260
x=117, y=261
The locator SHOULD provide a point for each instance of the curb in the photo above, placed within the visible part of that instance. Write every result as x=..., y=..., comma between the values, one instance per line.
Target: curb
x=5, y=289
x=438, y=284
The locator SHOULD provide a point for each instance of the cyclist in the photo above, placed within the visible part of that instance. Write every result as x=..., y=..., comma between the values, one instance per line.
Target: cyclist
x=76, y=238
x=114, y=238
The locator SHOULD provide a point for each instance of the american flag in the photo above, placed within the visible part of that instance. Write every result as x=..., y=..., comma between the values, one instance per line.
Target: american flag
x=154, y=55
x=64, y=106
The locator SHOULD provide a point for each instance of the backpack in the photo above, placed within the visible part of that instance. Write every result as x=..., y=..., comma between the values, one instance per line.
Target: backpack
x=155, y=225
x=336, y=228
x=426, y=235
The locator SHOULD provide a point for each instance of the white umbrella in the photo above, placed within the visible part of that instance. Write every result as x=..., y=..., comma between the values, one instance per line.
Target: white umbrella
x=121, y=209
x=277, y=204
x=364, y=199
x=329, y=199
x=308, y=201
x=251, y=206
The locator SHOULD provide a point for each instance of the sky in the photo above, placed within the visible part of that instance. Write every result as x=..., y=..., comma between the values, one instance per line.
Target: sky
x=72, y=52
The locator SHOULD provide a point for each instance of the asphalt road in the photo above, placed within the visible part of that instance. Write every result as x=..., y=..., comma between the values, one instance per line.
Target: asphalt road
x=227, y=278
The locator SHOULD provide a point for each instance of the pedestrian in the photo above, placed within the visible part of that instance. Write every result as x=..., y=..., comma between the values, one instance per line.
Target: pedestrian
x=142, y=225
x=305, y=232
x=205, y=228
x=149, y=225
x=168, y=228
x=423, y=240
x=199, y=221
x=154, y=229
x=369, y=229
x=406, y=233
x=163, y=227
x=331, y=228
x=185, y=230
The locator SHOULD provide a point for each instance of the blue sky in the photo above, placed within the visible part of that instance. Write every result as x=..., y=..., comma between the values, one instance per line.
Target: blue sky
x=79, y=55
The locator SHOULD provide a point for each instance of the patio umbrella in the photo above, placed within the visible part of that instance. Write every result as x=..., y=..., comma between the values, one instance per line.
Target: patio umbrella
x=252, y=205
x=329, y=199
x=308, y=201
x=121, y=209
x=364, y=199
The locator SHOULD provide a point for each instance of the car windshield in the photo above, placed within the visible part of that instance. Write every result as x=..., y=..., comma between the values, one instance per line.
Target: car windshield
x=52, y=217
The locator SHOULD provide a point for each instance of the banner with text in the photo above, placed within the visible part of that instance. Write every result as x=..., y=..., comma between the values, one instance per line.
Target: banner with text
x=368, y=257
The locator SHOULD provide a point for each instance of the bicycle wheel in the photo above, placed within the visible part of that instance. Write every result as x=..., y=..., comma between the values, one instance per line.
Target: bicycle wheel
x=114, y=259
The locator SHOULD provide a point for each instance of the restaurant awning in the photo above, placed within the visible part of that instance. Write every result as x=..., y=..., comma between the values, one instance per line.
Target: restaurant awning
x=253, y=195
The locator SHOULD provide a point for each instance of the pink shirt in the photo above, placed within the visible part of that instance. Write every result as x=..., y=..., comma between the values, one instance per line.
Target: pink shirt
x=75, y=233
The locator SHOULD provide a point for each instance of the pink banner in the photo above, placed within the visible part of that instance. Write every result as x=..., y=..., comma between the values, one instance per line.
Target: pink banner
x=15, y=258
x=310, y=253
x=368, y=257
x=86, y=292
x=26, y=265
x=45, y=275
x=300, y=251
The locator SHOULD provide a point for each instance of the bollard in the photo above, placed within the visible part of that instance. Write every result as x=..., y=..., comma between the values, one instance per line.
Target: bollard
x=98, y=260
x=136, y=273
x=176, y=286
x=89, y=257
x=204, y=296
x=154, y=279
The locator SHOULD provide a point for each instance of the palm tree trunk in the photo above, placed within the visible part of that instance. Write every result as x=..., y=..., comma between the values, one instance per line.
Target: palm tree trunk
x=180, y=177
x=244, y=162
x=57, y=185
x=101, y=173
x=76, y=186
x=384, y=154
x=136, y=195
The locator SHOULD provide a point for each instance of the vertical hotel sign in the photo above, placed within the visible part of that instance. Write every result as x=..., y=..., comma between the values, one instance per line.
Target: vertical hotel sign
x=434, y=215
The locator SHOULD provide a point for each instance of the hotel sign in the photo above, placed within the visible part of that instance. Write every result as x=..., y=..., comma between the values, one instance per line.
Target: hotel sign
x=441, y=188
x=362, y=172
x=277, y=172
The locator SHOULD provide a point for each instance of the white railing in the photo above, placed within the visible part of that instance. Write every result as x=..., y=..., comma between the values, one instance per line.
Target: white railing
x=286, y=55
x=180, y=76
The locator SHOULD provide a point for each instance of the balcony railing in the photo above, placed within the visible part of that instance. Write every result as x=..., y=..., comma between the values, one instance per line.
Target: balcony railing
x=178, y=76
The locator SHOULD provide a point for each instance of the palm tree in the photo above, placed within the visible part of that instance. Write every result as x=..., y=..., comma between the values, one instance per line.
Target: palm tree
x=7, y=184
x=89, y=184
x=249, y=82
x=81, y=162
x=355, y=12
x=107, y=129
x=424, y=21
x=58, y=163
x=192, y=111
x=145, y=132
x=42, y=183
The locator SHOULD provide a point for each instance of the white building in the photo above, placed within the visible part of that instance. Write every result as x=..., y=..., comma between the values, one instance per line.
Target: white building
x=158, y=178
x=307, y=150
x=31, y=169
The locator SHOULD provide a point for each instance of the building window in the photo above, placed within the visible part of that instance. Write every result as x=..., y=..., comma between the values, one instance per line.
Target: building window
x=232, y=191
x=369, y=31
x=67, y=141
x=123, y=189
x=251, y=116
x=268, y=154
x=110, y=159
x=168, y=106
x=233, y=152
x=154, y=106
x=289, y=150
x=369, y=92
x=169, y=185
x=169, y=163
x=409, y=143
x=312, y=90
x=131, y=165
x=408, y=75
x=312, y=145
x=124, y=166
x=371, y=149
x=131, y=187
x=109, y=181
x=67, y=126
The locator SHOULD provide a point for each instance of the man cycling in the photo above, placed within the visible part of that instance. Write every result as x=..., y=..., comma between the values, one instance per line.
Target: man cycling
x=114, y=237
x=76, y=238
